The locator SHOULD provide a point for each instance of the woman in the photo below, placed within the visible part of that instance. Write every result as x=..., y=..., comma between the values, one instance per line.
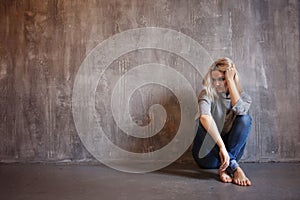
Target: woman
x=223, y=107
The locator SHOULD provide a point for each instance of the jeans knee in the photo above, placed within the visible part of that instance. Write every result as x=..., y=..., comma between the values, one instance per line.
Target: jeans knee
x=245, y=120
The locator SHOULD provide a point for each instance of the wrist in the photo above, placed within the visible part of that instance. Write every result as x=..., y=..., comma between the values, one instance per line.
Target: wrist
x=222, y=147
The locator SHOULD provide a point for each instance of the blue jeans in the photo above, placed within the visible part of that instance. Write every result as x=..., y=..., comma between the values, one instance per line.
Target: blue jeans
x=206, y=152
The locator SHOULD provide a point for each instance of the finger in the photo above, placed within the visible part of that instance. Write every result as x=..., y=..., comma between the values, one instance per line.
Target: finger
x=226, y=164
x=223, y=166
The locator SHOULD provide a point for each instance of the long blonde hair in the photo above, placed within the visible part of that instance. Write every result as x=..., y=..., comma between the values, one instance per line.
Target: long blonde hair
x=221, y=65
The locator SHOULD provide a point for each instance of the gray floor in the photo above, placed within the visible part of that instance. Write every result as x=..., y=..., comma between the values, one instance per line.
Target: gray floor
x=89, y=182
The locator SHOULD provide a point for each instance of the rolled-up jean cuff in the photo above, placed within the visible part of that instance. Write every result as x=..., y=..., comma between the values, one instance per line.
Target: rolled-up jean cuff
x=233, y=165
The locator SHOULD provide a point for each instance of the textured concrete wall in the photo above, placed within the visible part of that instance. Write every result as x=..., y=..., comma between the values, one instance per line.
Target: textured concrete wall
x=43, y=43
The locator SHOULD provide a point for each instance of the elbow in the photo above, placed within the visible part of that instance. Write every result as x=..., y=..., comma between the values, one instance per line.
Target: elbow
x=204, y=119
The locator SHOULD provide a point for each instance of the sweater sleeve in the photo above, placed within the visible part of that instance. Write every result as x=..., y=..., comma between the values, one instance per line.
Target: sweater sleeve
x=242, y=105
x=204, y=104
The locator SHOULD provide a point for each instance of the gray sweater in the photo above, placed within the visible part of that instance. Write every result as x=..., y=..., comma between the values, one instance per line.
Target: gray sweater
x=221, y=109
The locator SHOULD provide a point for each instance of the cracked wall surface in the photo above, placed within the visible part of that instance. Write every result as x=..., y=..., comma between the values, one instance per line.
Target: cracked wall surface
x=43, y=43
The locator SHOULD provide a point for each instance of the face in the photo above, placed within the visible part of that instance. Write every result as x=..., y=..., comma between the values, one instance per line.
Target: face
x=218, y=81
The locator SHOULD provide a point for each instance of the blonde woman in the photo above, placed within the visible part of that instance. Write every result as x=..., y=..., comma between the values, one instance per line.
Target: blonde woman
x=223, y=107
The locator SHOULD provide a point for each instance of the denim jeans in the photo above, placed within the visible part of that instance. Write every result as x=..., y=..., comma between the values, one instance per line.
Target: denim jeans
x=206, y=151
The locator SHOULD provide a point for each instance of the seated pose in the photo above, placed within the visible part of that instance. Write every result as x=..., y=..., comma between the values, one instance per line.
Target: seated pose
x=223, y=107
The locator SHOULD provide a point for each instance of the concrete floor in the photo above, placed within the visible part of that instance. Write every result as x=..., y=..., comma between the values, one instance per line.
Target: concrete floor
x=178, y=181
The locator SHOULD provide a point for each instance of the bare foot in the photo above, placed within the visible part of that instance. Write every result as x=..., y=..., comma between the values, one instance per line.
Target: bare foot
x=224, y=177
x=240, y=178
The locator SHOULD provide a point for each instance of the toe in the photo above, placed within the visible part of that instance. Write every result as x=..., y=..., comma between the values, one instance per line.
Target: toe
x=236, y=181
x=248, y=182
x=229, y=179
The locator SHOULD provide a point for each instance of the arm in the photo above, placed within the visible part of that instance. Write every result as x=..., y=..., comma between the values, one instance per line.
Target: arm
x=240, y=102
x=234, y=93
x=209, y=124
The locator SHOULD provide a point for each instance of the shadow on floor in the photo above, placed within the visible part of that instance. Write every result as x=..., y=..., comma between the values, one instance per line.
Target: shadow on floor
x=190, y=171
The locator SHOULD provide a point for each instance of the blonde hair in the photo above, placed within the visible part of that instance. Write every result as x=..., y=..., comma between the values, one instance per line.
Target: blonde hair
x=221, y=65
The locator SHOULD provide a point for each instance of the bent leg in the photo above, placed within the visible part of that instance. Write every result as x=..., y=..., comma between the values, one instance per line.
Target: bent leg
x=236, y=139
x=205, y=151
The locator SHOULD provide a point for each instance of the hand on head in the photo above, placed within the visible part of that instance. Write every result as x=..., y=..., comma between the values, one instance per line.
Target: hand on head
x=230, y=73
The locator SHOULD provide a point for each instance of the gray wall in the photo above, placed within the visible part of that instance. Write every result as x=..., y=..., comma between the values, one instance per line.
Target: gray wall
x=43, y=43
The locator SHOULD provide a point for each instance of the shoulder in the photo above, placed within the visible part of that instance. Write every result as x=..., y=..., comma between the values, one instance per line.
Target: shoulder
x=203, y=93
x=204, y=96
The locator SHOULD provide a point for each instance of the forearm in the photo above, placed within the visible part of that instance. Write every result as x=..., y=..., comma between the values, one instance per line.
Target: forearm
x=209, y=124
x=234, y=93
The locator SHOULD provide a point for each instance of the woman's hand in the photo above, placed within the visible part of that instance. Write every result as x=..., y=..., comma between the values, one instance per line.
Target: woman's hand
x=230, y=76
x=224, y=159
x=230, y=73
